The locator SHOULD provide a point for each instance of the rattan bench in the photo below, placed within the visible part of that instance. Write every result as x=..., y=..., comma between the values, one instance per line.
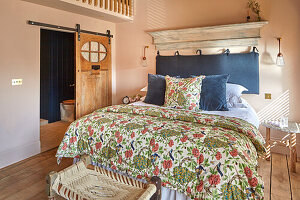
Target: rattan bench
x=88, y=182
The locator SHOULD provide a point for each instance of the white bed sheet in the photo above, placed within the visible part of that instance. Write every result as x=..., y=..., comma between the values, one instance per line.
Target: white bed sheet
x=246, y=113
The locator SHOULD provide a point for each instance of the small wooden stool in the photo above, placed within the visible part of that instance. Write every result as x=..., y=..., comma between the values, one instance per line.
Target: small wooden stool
x=85, y=182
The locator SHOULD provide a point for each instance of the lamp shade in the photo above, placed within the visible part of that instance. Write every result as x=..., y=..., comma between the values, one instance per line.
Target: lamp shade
x=280, y=60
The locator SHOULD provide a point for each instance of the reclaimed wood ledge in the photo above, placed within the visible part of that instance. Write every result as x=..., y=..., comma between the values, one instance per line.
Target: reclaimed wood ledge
x=223, y=36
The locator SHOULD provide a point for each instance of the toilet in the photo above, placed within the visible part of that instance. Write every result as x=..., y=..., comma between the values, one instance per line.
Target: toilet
x=67, y=110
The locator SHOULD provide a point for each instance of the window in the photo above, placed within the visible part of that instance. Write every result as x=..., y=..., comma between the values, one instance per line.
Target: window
x=93, y=52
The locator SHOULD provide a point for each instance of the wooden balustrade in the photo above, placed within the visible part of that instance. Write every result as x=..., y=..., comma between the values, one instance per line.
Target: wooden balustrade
x=124, y=7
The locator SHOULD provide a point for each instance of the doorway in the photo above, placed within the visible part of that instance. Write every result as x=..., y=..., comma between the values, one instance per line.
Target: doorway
x=57, y=84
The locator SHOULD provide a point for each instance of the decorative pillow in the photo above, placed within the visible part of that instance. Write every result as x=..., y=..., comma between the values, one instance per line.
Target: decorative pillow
x=183, y=93
x=233, y=94
x=213, y=93
x=156, y=90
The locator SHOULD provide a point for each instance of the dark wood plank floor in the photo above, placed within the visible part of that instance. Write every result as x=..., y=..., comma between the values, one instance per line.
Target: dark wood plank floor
x=26, y=179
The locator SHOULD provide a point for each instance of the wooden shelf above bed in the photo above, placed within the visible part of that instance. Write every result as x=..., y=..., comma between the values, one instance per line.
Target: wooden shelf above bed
x=223, y=36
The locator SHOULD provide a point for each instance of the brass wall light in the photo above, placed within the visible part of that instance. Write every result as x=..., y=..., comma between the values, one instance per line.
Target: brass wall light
x=279, y=60
x=144, y=61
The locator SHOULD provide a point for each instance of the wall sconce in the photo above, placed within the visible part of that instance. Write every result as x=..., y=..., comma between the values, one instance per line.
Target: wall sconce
x=144, y=61
x=279, y=60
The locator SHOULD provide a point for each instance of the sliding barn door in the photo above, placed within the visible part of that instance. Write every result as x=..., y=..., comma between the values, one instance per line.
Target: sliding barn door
x=93, y=73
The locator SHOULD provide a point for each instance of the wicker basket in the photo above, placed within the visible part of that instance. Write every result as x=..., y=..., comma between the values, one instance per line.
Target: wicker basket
x=81, y=182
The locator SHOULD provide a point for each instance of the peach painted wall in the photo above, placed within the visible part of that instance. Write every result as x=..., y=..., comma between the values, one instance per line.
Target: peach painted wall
x=20, y=58
x=284, y=21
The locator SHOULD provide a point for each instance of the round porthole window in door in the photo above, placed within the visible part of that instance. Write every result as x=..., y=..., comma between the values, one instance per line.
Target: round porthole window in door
x=93, y=52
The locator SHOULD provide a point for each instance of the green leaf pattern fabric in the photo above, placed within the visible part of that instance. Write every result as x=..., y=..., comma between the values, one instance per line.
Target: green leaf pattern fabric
x=204, y=156
x=183, y=93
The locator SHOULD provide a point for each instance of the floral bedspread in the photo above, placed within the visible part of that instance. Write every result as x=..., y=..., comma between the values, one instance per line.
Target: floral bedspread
x=204, y=156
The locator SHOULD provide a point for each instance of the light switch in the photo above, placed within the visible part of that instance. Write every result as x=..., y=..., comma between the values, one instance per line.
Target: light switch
x=16, y=81
x=268, y=96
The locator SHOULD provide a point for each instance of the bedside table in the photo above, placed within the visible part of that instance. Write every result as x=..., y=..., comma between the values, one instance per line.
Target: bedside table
x=291, y=131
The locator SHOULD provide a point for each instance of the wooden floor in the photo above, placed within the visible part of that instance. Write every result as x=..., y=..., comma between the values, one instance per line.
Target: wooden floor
x=26, y=179
x=280, y=183
x=52, y=134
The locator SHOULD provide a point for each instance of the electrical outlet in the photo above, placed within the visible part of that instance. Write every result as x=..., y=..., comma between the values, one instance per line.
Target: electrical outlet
x=16, y=81
x=268, y=96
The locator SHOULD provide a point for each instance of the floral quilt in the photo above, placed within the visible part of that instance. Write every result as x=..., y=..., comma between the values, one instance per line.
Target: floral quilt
x=204, y=156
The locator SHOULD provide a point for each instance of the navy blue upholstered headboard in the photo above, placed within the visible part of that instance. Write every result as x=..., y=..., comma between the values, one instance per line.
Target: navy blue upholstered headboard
x=242, y=67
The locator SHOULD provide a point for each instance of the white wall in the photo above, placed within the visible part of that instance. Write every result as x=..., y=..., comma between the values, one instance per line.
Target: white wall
x=20, y=58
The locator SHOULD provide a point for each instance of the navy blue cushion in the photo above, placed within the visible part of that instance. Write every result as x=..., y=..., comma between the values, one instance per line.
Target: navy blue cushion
x=156, y=90
x=213, y=93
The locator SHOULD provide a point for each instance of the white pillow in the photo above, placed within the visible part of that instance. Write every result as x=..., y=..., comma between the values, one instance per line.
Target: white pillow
x=233, y=95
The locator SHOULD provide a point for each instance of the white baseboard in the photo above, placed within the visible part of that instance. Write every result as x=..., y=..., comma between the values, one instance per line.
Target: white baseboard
x=17, y=154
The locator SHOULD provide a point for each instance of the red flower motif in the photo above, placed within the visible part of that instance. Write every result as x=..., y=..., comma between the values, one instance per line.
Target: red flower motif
x=149, y=122
x=156, y=128
x=144, y=131
x=172, y=91
x=124, y=122
x=234, y=153
x=193, y=104
x=113, y=124
x=184, y=139
x=232, y=139
x=155, y=147
x=180, y=83
x=201, y=159
x=114, y=167
x=139, y=176
x=253, y=182
x=188, y=190
x=196, y=152
x=117, y=134
x=73, y=139
x=186, y=127
x=188, y=95
x=77, y=124
x=163, y=184
x=218, y=155
x=200, y=186
x=152, y=142
x=65, y=146
x=120, y=139
x=132, y=135
x=102, y=129
x=98, y=145
x=167, y=164
x=215, y=128
x=89, y=128
x=214, y=179
x=156, y=171
x=91, y=132
x=208, y=120
x=248, y=172
x=184, y=88
x=199, y=135
x=146, y=175
x=128, y=153
x=120, y=160
x=171, y=143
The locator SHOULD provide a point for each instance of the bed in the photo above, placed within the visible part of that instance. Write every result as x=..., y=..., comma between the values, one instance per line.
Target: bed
x=197, y=154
